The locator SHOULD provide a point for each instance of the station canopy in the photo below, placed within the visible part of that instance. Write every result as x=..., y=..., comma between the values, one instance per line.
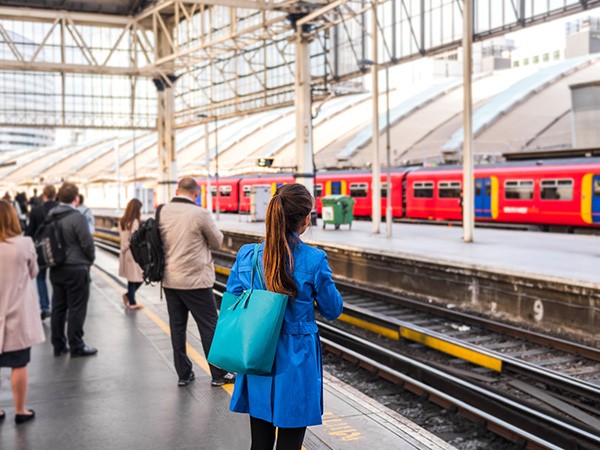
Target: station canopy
x=90, y=63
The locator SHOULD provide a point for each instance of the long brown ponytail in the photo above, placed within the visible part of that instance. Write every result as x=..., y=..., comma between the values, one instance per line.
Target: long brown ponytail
x=133, y=212
x=287, y=209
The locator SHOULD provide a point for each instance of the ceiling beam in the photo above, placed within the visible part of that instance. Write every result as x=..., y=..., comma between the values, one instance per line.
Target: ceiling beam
x=49, y=15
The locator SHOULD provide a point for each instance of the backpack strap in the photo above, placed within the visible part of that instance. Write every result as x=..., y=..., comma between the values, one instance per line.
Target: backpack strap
x=158, y=226
x=158, y=212
x=55, y=217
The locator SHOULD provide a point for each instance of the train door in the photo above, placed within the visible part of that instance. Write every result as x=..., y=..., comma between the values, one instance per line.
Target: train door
x=336, y=188
x=596, y=199
x=483, y=198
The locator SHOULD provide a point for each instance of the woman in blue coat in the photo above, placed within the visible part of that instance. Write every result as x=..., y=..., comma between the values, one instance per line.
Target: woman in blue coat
x=291, y=397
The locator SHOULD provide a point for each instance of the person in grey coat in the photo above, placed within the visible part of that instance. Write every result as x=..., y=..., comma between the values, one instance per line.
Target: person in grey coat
x=71, y=280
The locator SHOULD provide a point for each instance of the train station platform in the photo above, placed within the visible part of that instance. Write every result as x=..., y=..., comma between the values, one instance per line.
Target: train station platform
x=568, y=258
x=126, y=397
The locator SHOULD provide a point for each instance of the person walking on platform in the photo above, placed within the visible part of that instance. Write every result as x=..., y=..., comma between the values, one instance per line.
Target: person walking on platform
x=188, y=234
x=128, y=268
x=36, y=219
x=87, y=213
x=71, y=280
x=21, y=206
x=20, y=326
x=291, y=397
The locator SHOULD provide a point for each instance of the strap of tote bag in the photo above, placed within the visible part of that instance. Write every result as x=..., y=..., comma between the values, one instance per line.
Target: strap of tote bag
x=256, y=268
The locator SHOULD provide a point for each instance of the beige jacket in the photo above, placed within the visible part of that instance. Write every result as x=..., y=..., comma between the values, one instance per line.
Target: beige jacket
x=20, y=324
x=188, y=234
x=128, y=268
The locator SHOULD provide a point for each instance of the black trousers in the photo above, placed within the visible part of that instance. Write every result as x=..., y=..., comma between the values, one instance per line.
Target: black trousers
x=70, y=295
x=263, y=436
x=201, y=303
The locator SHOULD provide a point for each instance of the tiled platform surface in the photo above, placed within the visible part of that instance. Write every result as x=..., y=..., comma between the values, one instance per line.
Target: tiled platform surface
x=127, y=397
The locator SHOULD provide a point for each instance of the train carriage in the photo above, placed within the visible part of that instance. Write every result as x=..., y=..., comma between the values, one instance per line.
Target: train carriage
x=358, y=186
x=273, y=181
x=228, y=189
x=546, y=193
x=554, y=192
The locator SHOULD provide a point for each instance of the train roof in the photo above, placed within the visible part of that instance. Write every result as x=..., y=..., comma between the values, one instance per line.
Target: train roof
x=551, y=162
x=531, y=163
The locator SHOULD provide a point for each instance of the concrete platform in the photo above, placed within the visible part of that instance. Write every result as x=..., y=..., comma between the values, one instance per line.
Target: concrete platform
x=127, y=396
x=565, y=258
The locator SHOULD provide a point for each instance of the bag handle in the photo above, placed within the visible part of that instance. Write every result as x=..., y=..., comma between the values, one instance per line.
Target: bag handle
x=256, y=267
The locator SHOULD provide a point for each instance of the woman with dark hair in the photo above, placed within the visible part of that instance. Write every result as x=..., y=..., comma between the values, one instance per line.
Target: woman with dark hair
x=20, y=325
x=291, y=397
x=128, y=268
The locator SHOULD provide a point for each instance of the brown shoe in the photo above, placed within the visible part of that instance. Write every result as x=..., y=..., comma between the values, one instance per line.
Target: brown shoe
x=125, y=301
x=136, y=306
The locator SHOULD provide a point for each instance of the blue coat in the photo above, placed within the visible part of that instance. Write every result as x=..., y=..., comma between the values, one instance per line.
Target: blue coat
x=292, y=396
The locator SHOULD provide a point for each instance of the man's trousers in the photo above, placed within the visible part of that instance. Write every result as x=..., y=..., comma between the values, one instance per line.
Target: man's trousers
x=201, y=303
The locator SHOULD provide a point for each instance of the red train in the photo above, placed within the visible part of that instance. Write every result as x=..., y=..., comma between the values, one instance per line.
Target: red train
x=549, y=192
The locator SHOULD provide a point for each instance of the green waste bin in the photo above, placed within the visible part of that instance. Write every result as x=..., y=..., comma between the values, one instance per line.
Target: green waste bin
x=337, y=210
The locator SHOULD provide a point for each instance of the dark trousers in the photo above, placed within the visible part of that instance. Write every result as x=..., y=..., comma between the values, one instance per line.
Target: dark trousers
x=43, y=290
x=71, y=292
x=263, y=436
x=132, y=287
x=201, y=303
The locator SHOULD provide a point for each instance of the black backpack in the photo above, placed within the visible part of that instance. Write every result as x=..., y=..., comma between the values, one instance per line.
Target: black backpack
x=50, y=243
x=147, y=250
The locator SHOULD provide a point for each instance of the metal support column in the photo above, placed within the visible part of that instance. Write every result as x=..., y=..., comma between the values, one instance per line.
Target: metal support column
x=375, y=167
x=208, y=187
x=167, y=164
x=118, y=166
x=165, y=85
x=468, y=200
x=388, y=150
x=303, y=102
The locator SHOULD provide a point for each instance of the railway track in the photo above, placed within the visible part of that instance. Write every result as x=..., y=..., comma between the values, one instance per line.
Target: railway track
x=526, y=387
x=519, y=382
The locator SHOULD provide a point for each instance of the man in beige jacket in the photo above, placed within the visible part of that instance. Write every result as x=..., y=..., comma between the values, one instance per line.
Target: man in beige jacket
x=188, y=234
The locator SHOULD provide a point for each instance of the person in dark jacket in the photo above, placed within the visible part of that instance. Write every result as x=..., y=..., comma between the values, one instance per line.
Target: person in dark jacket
x=36, y=219
x=71, y=280
x=291, y=397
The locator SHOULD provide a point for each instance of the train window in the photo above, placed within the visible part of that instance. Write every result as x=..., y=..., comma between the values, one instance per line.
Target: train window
x=359, y=190
x=449, y=189
x=518, y=189
x=225, y=191
x=213, y=191
x=318, y=190
x=423, y=189
x=597, y=188
x=246, y=191
x=557, y=190
x=383, y=190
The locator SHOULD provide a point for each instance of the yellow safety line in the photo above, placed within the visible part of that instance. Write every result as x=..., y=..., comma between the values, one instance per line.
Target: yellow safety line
x=222, y=271
x=384, y=331
x=452, y=349
x=191, y=351
x=108, y=237
x=193, y=354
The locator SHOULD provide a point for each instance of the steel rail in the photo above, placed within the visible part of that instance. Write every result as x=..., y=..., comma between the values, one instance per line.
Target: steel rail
x=556, y=433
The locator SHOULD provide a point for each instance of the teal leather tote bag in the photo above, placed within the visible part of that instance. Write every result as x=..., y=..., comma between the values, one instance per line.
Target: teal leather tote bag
x=248, y=328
